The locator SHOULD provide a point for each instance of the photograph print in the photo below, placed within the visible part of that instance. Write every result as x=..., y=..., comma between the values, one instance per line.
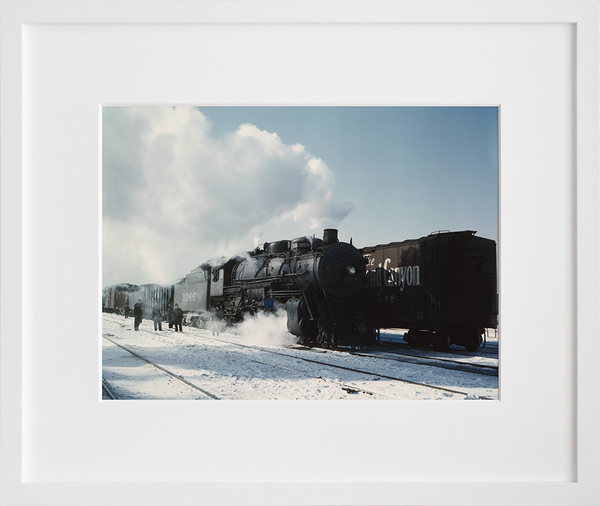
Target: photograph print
x=309, y=253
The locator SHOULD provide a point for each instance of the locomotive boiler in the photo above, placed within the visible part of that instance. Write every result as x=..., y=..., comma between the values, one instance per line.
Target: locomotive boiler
x=317, y=282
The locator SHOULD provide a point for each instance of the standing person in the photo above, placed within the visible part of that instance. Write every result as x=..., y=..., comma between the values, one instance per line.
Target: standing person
x=170, y=317
x=157, y=317
x=126, y=310
x=216, y=317
x=178, y=318
x=137, y=313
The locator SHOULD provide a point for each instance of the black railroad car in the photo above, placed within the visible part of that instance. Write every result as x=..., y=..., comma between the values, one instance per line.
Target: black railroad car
x=116, y=297
x=442, y=288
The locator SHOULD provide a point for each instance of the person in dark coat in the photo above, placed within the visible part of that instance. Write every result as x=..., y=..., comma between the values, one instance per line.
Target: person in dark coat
x=137, y=313
x=157, y=317
x=126, y=310
x=170, y=317
x=178, y=318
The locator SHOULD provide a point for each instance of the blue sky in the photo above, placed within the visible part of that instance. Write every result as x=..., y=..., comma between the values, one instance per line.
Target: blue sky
x=408, y=170
x=181, y=185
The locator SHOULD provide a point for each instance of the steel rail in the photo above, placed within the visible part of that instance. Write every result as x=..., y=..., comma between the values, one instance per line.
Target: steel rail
x=452, y=365
x=107, y=390
x=348, y=368
x=164, y=370
x=348, y=388
x=481, y=352
x=310, y=361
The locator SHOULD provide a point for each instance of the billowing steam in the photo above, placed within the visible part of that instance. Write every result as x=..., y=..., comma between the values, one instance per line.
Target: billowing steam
x=220, y=261
x=266, y=329
x=176, y=195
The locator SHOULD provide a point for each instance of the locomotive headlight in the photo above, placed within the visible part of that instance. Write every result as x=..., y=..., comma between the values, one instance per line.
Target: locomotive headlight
x=351, y=270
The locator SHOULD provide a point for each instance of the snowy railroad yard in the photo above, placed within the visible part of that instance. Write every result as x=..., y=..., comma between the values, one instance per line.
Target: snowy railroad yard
x=261, y=361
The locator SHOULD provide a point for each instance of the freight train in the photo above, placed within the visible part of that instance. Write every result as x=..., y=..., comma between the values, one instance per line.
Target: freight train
x=116, y=297
x=441, y=288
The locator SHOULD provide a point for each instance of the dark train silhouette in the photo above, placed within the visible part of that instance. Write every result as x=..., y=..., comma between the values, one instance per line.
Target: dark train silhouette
x=441, y=288
x=317, y=281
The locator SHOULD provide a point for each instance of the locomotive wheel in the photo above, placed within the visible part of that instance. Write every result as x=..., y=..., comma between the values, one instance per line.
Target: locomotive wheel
x=331, y=340
x=441, y=341
x=321, y=337
x=327, y=339
x=245, y=312
x=472, y=343
x=412, y=339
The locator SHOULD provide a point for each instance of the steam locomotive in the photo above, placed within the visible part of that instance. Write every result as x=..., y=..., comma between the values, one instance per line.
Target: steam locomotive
x=318, y=282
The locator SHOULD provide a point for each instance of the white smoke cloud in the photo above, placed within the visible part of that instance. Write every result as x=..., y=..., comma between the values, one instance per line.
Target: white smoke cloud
x=266, y=329
x=175, y=195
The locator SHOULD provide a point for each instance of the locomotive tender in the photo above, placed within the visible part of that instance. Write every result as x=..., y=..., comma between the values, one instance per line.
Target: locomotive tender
x=442, y=288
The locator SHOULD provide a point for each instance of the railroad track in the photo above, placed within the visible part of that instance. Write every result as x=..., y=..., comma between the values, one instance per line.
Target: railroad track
x=346, y=387
x=442, y=363
x=178, y=378
x=439, y=362
x=336, y=366
x=106, y=388
x=191, y=336
x=491, y=351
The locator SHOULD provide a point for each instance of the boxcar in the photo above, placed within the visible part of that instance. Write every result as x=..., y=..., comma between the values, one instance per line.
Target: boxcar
x=151, y=294
x=441, y=288
x=116, y=297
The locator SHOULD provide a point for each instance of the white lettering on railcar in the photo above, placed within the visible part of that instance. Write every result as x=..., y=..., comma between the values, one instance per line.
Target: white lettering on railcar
x=384, y=275
x=189, y=297
x=384, y=298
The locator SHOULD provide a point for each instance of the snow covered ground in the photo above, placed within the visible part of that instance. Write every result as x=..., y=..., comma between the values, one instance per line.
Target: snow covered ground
x=260, y=361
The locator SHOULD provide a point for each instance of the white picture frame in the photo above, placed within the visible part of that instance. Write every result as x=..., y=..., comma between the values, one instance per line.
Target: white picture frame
x=23, y=20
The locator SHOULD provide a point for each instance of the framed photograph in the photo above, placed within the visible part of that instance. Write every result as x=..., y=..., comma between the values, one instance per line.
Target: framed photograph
x=63, y=62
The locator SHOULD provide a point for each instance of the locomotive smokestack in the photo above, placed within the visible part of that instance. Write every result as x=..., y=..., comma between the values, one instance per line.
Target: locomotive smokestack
x=330, y=236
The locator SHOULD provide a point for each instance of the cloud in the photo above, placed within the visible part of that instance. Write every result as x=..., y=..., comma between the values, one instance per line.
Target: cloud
x=175, y=195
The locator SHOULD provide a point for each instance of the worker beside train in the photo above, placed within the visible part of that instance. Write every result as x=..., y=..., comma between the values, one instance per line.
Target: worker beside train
x=178, y=318
x=137, y=313
x=157, y=317
x=170, y=317
x=216, y=316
